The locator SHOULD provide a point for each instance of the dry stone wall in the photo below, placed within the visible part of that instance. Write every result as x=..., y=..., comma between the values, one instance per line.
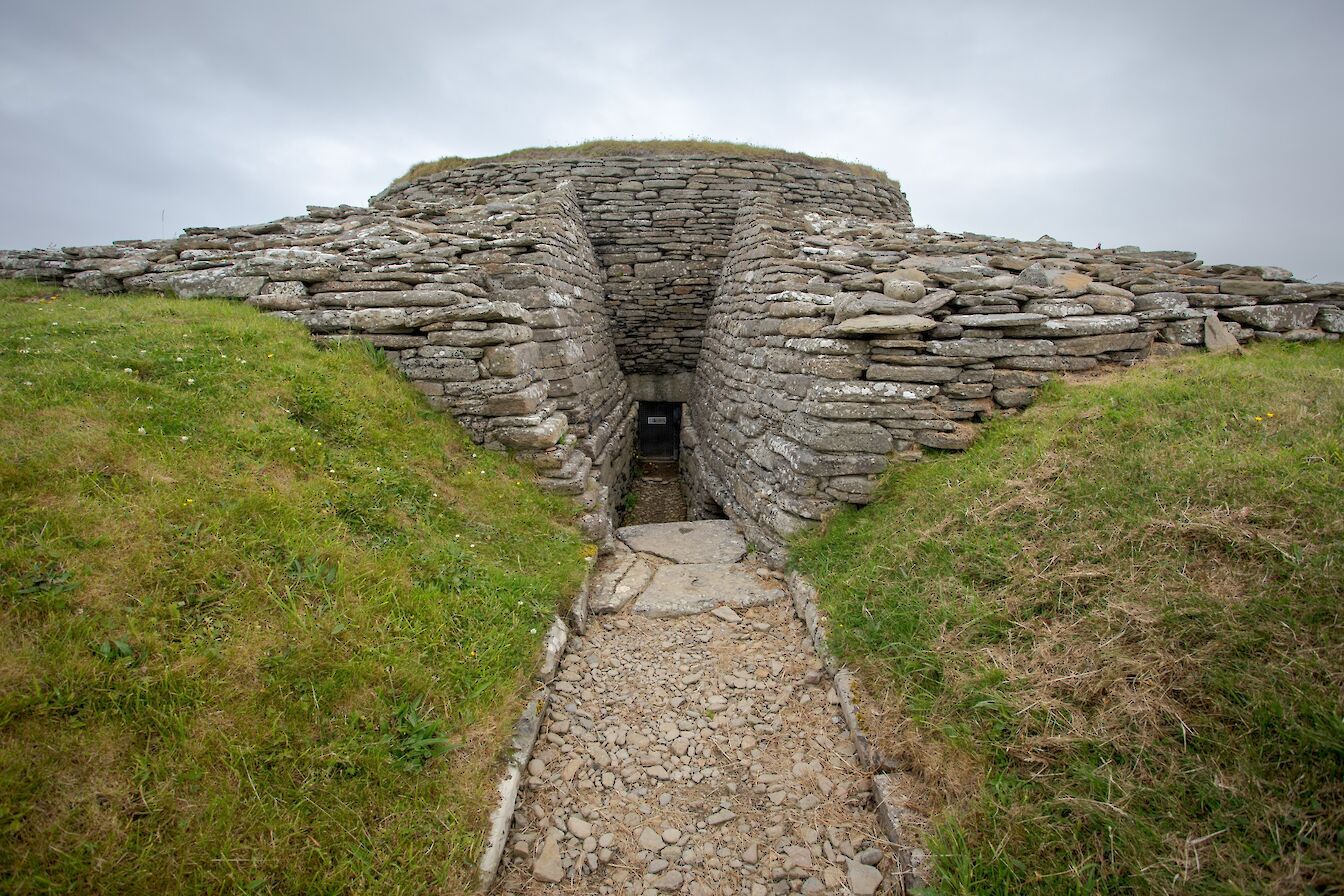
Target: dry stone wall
x=837, y=344
x=493, y=310
x=660, y=227
x=816, y=332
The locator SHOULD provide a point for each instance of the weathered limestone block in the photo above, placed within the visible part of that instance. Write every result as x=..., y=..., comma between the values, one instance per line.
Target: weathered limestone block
x=884, y=325
x=1184, y=332
x=94, y=281
x=1250, y=288
x=1059, y=307
x=447, y=333
x=851, y=305
x=509, y=360
x=1067, y=281
x=1331, y=319
x=958, y=438
x=1009, y=319
x=444, y=370
x=1096, y=345
x=870, y=392
x=128, y=266
x=1163, y=301
x=810, y=346
x=1275, y=318
x=222, y=282
x=543, y=435
x=298, y=264
x=810, y=462
x=897, y=285
x=950, y=268
x=1093, y=325
x=992, y=348
x=837, y=436
x=1014, y=398
x=911, y=374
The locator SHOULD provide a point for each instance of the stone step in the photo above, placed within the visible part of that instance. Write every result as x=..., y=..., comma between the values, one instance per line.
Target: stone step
x=704, y=541
x=685, y=589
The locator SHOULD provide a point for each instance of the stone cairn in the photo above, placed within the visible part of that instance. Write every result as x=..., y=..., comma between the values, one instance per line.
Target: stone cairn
x=813, y=331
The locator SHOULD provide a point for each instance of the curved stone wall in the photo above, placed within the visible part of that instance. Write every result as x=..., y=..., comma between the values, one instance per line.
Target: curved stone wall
x=660, y=226
x=838, y=344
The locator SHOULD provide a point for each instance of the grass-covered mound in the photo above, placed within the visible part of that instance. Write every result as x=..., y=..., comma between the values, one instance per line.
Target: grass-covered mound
x=266, y=616
x=1108, y=641
x=597, y=149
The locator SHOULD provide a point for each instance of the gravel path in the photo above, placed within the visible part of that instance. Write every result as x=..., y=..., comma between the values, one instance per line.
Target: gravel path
x=699, y=754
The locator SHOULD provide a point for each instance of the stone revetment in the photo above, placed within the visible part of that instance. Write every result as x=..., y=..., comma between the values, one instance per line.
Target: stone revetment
x=804, y=332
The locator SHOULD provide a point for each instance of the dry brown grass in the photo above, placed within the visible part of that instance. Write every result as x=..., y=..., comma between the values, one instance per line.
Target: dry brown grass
x=1106, y=642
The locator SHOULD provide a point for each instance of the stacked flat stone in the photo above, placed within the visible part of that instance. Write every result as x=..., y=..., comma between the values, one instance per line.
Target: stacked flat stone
x=836, y=344
x=660, y=226
x=493, y=310
x=821, y=333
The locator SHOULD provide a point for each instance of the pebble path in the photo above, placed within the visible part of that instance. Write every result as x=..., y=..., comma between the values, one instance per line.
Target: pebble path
x=699, y=754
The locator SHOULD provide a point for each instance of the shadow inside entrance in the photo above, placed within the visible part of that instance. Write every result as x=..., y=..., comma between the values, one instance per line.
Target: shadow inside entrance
x=656, y=494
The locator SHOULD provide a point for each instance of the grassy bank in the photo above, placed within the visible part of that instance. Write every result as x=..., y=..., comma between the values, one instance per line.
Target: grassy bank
x=1107, y=642
x=597, y=149
x=266, y=616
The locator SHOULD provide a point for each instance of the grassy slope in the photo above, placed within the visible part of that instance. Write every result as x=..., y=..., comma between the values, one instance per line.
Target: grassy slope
x=250, y=592
x=596, y=149
x=1112, y=633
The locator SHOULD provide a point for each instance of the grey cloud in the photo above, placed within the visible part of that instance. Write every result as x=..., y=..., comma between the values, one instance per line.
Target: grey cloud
x=1208, y=126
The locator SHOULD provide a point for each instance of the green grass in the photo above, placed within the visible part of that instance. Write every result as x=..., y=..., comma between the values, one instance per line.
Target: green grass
x=597, y=149
x=1107, y=642
x=267, y=618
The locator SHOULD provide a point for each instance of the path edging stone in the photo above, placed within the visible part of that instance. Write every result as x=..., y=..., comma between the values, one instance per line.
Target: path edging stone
x=527, y=728
x=898, y=821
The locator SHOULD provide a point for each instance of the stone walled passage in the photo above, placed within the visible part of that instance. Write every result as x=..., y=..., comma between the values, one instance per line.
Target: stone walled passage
x=660, y=226
x=816, y=332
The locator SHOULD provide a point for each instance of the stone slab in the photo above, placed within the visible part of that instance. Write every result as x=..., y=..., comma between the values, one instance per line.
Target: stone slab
x=689, y=588
x=705, y=541
x=618, y=591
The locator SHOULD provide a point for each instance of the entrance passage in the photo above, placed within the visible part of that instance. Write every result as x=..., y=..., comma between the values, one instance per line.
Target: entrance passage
x=656, y=493
x=659, y=430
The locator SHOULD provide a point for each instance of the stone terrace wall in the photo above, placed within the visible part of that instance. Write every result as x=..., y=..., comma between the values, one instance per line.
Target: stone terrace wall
x=837, y=344
x=660, y=226
x=492, y=310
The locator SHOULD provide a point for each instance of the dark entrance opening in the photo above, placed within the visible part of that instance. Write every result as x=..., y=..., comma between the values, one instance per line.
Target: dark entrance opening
x=656, y=494
x=659, y=431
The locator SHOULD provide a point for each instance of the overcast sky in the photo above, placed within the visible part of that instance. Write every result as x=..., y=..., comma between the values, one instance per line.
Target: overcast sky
x=1212, y=126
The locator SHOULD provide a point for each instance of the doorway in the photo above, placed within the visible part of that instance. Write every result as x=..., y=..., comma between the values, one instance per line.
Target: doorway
x=656, y=494
x=659, y=432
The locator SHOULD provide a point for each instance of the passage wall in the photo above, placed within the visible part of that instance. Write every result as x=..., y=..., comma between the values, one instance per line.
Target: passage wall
x=660, y=228
x=837, y=344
